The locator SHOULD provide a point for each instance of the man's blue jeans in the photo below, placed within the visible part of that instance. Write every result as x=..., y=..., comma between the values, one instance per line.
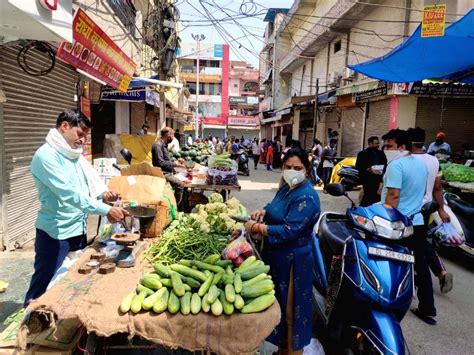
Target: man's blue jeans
x=49, y=255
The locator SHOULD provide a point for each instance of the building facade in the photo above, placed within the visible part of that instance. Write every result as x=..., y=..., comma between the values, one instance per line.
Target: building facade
x=227, y=100
x=35, y=90
x=320, y=39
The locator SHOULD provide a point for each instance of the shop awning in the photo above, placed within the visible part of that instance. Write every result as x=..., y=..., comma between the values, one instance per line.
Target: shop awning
x=300, y=99
x=213, y=126
x=448, y=57
x=327, y=98
x=137, y=82
x=248, y=128
x=267, y=76
x=363, y=85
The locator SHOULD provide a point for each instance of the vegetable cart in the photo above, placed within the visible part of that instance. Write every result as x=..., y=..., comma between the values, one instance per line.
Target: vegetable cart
x=180, y=294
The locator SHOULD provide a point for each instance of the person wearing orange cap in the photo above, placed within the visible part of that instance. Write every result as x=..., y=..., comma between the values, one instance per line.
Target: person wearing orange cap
x=439, y=146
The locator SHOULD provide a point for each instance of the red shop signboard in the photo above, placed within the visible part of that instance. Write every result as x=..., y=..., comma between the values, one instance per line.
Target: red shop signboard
x=93, y=52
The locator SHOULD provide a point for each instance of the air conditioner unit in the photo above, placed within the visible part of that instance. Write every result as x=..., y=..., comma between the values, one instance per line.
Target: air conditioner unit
x=334, y=79
x=349, y=74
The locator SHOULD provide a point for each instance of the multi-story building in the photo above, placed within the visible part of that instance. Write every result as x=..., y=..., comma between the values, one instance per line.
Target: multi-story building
x=227, y=100
x=320, y=39
x=273, y=106
x=212, y=98
x=88, y=51
x=243, y=101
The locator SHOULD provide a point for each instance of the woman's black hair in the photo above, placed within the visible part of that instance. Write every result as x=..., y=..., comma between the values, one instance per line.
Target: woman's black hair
x=303, y=156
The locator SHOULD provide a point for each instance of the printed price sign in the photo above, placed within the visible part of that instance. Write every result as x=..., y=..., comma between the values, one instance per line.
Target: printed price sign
x=434, y=21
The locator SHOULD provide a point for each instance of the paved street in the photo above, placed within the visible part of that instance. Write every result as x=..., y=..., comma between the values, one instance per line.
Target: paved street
x=452, y=335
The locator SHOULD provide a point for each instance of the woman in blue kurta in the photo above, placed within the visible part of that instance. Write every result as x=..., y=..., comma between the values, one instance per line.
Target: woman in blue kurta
x=287, y=228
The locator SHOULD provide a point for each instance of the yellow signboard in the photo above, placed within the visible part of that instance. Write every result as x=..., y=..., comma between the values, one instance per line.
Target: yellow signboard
x=434, y=21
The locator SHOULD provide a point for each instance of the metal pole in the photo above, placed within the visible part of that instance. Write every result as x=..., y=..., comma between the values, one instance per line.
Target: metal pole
x=197, y=87
x=316, y=110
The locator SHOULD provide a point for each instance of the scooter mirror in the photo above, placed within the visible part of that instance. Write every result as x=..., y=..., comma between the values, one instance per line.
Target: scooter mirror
x=126, y=155
x=429, y=207
x=335, y=189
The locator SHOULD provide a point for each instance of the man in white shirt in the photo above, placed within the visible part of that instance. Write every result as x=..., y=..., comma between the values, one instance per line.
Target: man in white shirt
x=173, y=147
x=434, y=190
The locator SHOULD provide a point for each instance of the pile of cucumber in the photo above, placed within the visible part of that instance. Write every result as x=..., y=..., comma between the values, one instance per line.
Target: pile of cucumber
x=212, y=285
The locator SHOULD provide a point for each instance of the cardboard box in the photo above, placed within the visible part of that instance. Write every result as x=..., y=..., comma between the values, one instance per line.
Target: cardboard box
x=147, y=186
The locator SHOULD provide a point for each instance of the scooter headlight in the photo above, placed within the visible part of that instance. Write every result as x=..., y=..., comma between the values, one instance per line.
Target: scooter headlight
x=364, y=223
x=391, y=229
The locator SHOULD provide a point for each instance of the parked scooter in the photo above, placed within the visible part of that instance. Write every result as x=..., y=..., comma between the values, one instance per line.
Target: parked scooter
x=242, y=159
x=363, y=277
x=349, y=177
x=462, y=217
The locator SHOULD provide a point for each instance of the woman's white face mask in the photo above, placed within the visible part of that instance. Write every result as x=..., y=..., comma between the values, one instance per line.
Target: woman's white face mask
x=293, y=177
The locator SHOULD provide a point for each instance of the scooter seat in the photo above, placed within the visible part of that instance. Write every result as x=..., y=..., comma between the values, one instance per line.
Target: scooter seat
x=459, y=206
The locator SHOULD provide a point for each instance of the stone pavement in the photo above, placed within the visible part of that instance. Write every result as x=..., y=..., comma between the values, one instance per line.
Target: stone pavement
x=452, y=335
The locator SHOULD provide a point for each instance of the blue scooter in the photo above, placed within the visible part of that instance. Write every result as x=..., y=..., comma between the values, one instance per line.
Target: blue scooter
x=363, y=277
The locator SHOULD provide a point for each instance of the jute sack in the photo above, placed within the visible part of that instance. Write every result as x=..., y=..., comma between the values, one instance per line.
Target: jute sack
x=94, y=300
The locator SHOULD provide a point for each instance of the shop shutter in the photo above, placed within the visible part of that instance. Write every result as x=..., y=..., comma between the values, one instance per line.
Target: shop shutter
x=329, y=119
x=457, y=120
x=238, y=133
x=306, y=138
x=352, y=130
x=33, y=104
x=377, y=120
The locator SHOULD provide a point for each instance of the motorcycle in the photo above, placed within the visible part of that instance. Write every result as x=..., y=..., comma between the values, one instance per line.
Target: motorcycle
x=363, y=277
x=462, y=217
x=242, y=159
x=349, y=177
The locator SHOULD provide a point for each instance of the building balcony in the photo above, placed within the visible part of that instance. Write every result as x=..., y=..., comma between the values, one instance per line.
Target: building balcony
x=323, y=31
x=244, y=74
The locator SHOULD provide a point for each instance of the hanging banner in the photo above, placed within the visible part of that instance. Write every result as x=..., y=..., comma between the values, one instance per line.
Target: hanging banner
x=93, y=52
x=434, y=21
x=393, y=115
x=86, y=107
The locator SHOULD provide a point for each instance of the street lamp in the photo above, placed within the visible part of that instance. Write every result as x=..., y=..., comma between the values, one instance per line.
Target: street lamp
x=198, y=38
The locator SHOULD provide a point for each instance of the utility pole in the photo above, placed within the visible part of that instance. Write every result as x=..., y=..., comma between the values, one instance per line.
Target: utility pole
x=198, y=39
x=316, y=110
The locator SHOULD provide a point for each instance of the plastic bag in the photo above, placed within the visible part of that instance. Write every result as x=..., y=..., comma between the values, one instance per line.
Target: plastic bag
x=313, y=348
x=222, y=176
x=238, y=249
x=446, y=234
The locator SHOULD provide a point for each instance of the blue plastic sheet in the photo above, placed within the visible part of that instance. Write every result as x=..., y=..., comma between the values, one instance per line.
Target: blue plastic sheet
x=448, y=57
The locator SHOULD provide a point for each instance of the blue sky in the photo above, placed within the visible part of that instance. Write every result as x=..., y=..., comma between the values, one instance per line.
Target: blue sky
x=247, y=33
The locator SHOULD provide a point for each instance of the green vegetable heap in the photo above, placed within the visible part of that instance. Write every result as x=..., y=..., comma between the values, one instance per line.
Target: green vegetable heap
x=211, y=285
x=198, y=235
x=457, y=172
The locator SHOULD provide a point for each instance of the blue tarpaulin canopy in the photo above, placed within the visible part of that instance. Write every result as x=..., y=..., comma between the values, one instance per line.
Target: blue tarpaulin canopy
x=449, y=57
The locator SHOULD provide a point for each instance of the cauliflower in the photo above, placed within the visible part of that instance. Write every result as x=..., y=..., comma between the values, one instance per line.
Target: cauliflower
x=205, y=227
x=216, y=207
x=215, y=197
x=233, y=203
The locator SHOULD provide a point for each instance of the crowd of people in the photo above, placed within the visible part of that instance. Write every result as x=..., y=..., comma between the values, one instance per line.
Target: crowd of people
x=402, y=175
